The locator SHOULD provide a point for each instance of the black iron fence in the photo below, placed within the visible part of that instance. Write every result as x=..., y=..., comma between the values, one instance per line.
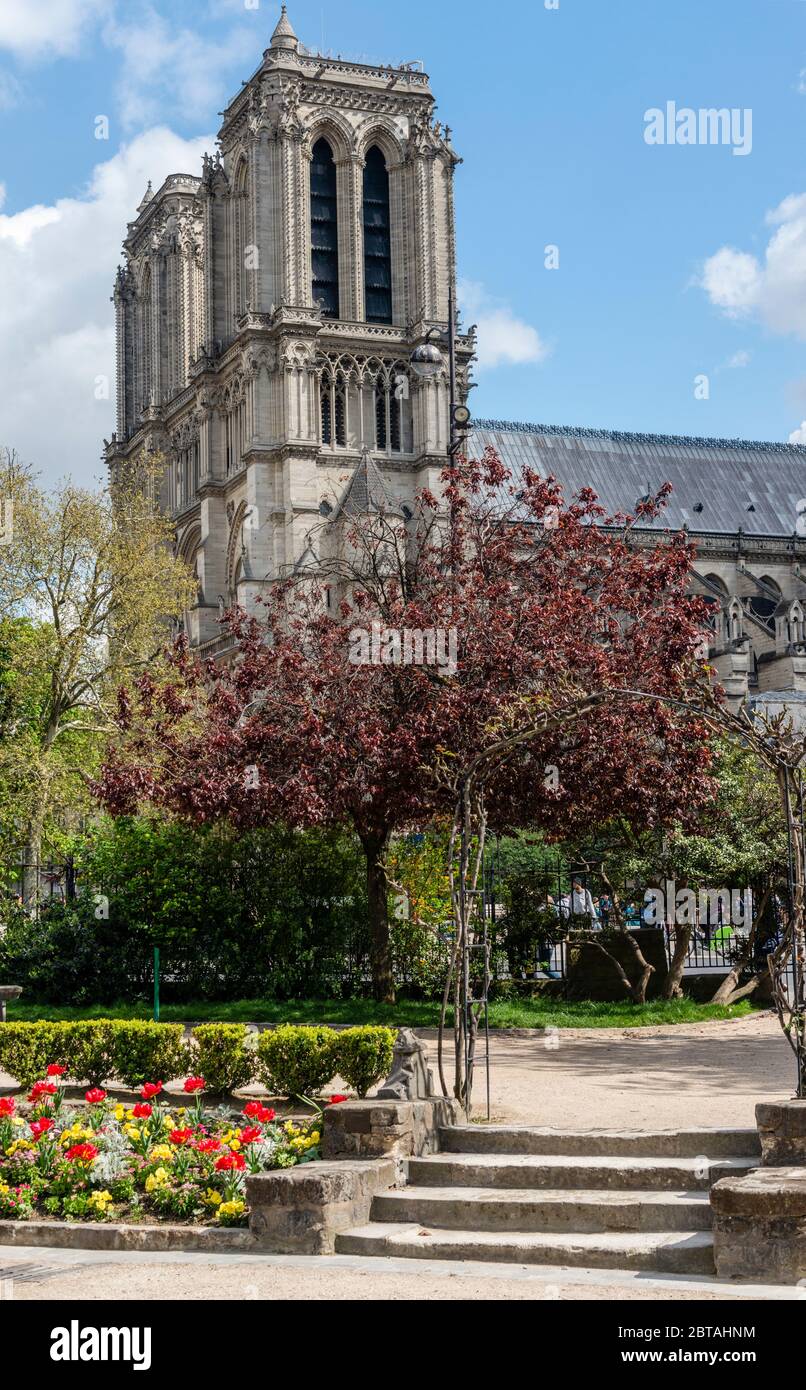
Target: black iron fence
x=37, y=884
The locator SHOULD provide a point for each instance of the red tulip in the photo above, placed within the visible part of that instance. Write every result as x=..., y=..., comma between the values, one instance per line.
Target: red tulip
x=229, y=1161
x=82, y=1153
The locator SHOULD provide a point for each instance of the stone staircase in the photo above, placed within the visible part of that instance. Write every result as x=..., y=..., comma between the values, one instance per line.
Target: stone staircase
x=621, y=1200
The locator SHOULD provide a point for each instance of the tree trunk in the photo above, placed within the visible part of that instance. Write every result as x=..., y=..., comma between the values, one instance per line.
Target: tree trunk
x=380, y=948
x=673, y=988
x=730, y=992
x=32, y=854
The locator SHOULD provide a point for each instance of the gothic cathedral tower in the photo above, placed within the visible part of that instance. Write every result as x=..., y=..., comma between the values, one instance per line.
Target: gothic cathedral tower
x=268, y=311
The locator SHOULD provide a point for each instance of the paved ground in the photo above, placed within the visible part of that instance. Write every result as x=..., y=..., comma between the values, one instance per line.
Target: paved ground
x=642, y=1078
x=39, y=1275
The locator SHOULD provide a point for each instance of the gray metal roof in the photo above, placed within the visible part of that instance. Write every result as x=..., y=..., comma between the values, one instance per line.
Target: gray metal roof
x=365, y=491
x=719, y=485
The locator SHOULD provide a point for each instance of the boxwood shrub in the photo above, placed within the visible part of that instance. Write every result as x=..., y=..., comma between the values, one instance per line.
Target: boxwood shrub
x=26, y=1049
x=221, y=1055
x=363, y=1055
x=149, y=1052
x=296, y=1060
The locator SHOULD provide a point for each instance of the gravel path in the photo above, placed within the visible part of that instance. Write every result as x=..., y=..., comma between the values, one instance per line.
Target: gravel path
x=642, y=1078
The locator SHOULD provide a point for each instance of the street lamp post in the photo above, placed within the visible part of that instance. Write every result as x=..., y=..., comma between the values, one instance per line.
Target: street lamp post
x=427, y=362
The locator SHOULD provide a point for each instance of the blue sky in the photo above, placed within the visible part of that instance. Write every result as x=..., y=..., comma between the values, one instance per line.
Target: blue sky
x=675, y=261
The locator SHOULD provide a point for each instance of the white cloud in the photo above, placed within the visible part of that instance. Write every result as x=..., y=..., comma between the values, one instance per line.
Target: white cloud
x=740, y=359
x=731, y=280
x=771, y=287
x=165, y=68
x=32, y=29
x=503, y=338
x=798, y=436
x=56, y=328
x=10, y=90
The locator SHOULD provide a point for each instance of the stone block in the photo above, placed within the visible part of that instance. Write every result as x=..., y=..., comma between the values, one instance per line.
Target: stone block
x=760, y=1226
x=383, y=1128
x=299, y=1211
x=782, y=1130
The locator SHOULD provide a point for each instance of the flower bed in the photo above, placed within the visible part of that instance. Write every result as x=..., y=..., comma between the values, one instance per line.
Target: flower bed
x=105, y=1161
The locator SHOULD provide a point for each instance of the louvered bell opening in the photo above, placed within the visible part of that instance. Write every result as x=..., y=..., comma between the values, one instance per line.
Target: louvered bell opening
x=377, y=240
x=324, y=231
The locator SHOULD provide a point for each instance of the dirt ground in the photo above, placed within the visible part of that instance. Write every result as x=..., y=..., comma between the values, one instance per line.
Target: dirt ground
x=641, y=1078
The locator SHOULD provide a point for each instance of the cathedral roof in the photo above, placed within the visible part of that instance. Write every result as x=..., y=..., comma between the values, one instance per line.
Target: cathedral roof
x=365, y=492
x=720, y=486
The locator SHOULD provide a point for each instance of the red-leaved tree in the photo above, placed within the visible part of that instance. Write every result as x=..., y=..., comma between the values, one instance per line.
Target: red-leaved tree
x=322, y=719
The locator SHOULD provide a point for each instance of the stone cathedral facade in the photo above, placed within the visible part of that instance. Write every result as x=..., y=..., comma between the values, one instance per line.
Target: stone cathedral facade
x=267, y=312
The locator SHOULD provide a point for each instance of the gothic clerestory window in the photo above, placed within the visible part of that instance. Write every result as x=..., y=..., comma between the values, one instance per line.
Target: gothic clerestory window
x=324, y=231
x=377, y=239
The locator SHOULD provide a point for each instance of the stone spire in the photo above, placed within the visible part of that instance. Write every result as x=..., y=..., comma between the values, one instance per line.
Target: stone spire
x=366, y=490
x=284, y=36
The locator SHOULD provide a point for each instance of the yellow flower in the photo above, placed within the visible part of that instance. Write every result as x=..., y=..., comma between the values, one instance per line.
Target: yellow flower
x=230, y=1209
x=119, y=1112
x=163, y=1152
x=18, y=1144
x=157, y=1179
x=17, y=1121
x=131, y=1131
x=100, y=1200
x=212, y=1198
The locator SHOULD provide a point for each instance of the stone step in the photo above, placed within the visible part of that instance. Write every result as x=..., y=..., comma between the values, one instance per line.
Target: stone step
x=524, y=1210
x=663, y=1252
x=565, y=1171
x=663, y=1143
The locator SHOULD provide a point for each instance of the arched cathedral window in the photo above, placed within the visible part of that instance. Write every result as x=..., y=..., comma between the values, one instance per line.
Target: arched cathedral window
x=324, y=231
x=377, y=239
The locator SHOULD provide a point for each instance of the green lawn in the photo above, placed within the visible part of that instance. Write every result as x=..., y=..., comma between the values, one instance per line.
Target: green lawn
x=524, y=1013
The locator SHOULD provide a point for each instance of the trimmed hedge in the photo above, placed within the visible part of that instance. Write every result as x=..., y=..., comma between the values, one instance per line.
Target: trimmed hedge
x=291, y=1060
x=149, y=1052
x=300, y=1061
x=96, y=1051
x=221, y=1055
x=296, y=1060
x=364, y=1056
